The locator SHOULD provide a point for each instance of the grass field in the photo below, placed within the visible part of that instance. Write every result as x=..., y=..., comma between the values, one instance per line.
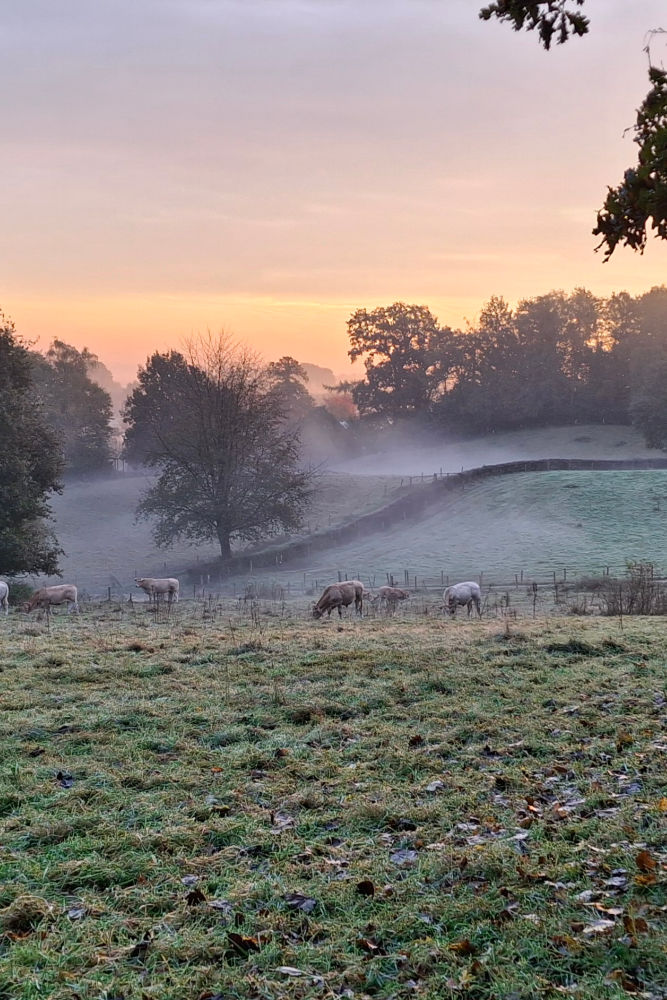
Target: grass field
x=243, y=804
x=538, y=523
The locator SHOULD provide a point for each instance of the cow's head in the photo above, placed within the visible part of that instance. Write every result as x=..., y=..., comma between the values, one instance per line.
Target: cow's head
x=317, y=612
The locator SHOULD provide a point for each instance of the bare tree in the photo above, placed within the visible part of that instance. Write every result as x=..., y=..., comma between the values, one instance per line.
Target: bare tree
x=229, y=463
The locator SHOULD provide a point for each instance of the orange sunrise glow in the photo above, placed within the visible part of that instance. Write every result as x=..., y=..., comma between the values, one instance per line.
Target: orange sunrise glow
x=269, y=167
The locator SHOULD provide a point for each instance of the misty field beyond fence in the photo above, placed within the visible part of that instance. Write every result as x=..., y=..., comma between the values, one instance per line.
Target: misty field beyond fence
x=551, y=527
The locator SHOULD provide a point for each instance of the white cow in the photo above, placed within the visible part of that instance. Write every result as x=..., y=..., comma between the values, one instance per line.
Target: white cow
x=467, y=593
x=46, y=597
x=159, y=588
x=4, y=596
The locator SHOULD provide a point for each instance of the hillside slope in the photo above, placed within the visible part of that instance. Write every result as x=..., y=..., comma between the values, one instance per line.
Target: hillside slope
x=538, y=523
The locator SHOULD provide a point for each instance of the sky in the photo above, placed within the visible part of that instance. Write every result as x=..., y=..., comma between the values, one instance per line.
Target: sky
x=267, y=167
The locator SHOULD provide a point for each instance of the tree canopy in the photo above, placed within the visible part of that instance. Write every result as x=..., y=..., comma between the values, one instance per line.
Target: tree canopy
x=30, y=466
x=639, y=203
x=550, y=18
x=404, y=355
x=78, y=410
x=554, y=359
x=210, y=422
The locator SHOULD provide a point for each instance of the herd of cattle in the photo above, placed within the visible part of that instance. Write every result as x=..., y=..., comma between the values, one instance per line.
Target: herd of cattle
x=334, y=597
x=341, y=595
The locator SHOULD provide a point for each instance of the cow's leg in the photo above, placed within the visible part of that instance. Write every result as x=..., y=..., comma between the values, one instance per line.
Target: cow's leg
x=340, y=610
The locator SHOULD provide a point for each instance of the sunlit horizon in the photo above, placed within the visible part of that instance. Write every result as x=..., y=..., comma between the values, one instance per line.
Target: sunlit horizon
x=267, y=169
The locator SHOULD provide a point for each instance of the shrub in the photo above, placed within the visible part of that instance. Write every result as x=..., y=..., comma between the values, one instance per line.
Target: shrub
x=639, y=593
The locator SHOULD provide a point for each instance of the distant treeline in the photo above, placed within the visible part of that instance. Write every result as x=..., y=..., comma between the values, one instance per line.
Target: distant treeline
x=556, y=359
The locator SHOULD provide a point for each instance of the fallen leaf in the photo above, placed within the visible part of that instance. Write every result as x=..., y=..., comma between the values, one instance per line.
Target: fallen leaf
x=463, y=947
x=64, y=779
x=645, y=862
x=297, y=901
x=599, y=927
x=404, y=857
x=223, y=905
x=624, y=980
x=435, y=786
x=289, y=970
x=564, y=943
x=634, y=926
x=623, y=739
x=243, y=943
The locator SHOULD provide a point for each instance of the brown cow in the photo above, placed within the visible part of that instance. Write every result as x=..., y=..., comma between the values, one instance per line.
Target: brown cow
x=390, y=596
x=46, y=597
x=358, y=595
x=340, y=595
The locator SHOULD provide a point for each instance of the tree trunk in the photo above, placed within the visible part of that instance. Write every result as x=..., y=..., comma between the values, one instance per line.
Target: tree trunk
x=225, y=546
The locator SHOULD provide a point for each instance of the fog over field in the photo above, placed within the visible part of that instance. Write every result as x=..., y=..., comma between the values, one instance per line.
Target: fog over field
x=409, y=458
x=515, y=522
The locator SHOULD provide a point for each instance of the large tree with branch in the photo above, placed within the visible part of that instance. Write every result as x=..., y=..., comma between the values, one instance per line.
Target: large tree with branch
x=639, y=203
x=208, y=420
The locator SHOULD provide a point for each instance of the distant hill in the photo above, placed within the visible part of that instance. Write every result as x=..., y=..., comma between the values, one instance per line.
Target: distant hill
x=403, y=453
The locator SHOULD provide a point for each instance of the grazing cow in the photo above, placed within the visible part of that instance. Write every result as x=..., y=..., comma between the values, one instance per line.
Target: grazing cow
x=467, y=593
x=157, y=589
x=46, y=597
x=390, y=596
x=358, y=595
x=4, y=596
x=338, y=595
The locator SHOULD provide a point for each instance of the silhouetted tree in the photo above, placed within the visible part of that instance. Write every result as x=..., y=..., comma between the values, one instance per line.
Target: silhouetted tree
x=640, y=200
x=548, y=17
x=77, y=408
x=648, y=368
x=209, y=423
x=405, y=356
x=288, y=385
x=30, y=465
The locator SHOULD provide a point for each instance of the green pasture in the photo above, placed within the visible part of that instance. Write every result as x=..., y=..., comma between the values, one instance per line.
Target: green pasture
x=232, y=803
x=541, y=523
